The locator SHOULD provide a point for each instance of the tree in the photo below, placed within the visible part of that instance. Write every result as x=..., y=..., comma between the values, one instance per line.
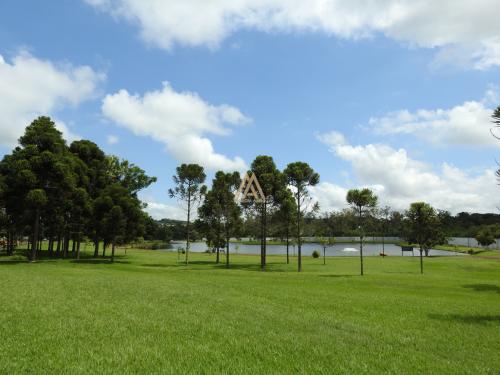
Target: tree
x=129, y=175
x=300, y=176
x=362, y=201
x=384, y=215
x=39, y=171
x=285, y=217
x=190, y=189
x=120, y=216
x=37, y=199
x=223, y=187
x=485, y=237
x=272, y=183
x=219, y=215
x=97, y=178
x=326, y=242
x=423, y=227
x=496, y=121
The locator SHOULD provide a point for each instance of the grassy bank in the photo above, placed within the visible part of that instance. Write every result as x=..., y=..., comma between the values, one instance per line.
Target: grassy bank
x=147, y=314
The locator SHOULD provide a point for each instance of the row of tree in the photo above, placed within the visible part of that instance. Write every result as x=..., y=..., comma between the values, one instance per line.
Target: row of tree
x=287, y=205
x=49, y=190
x=220, y=217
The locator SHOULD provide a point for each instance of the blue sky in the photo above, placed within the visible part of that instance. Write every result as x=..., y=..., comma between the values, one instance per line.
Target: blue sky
x=380, y=94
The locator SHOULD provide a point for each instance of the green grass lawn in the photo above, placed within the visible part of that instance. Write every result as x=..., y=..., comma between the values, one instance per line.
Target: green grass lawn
x=146, y=314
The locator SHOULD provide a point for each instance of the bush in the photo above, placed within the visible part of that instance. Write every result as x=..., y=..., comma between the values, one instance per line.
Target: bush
x=181, y=250
x=315, y=254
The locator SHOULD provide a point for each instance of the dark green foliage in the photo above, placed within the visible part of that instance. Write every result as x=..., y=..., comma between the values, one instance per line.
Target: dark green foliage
x=315, y=254
x=272, y=182
x=300, y=175
x=219, y=215
x=485, y=237
x=188, y=188
x=423, y=227
x=130, y=176
x=64, y=194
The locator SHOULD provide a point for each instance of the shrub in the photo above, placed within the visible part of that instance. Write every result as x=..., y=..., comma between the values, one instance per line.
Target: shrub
x=315, y=254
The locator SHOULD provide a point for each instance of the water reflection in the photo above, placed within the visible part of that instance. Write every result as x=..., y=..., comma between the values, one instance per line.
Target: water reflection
x=308, y=248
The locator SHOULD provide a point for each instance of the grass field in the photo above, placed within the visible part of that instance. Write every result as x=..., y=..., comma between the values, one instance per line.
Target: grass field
x=146, y=314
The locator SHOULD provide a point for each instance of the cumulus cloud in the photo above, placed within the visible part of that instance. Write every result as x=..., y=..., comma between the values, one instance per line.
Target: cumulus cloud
x=30, y=87
x=467, y=124
x=180, y=120
x=455, y=27
x=400, y=180
x=164, y=211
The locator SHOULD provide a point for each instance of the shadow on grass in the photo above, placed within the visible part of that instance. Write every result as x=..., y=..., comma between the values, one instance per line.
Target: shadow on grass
x=468, y=319
x=7, y=262
x=159, y=265
x=208, y=265
x=351, y=275
x=98, y=261
x=483, y=287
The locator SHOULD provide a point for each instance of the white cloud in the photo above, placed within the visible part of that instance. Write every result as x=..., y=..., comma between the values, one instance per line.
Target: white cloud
x=178, y=119
x=400, y=180
x=165, y=211
x=112, y=139
x=30, y=87
x=467, y=124
x=471, y=27
x=329, y=196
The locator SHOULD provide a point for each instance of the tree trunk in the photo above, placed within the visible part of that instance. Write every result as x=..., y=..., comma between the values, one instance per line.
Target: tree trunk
x=10, y=243
x=78, y=249
x=287, y=244
x=217, y=257
x=324, y=255
x=113, y=252
x=104, y=249
x=421, y=261
x=96, y=247
x=50, y=246
x=58, y=248
x=73, y=248
x=360, y=243
x=227, y=250
x=66, y=246
x=187, y=225
x=263, y=236
x=35, y=235
x=299, y=244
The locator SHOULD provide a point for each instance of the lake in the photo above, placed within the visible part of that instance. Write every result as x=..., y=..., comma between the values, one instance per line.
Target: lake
x=308, y=248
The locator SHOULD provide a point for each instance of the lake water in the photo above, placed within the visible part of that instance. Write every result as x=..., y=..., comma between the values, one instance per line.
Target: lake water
x=308, y=248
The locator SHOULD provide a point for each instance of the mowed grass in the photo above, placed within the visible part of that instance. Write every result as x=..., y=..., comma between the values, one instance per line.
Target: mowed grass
x=146, y=314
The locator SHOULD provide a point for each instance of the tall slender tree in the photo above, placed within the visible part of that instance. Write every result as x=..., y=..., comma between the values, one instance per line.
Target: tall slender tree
x=496, y=120
x=189, y=189
x=363, y=202
x=300, y=175
x=285, y=218
x=272, y=182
